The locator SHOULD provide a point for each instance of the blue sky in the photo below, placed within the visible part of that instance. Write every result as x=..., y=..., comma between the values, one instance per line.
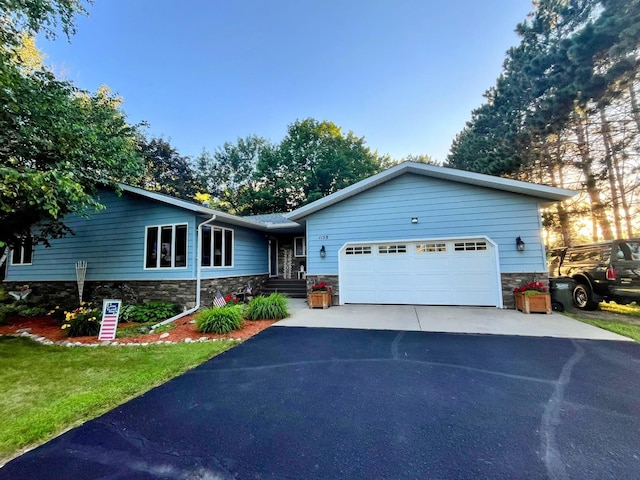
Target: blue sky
x=405, y=74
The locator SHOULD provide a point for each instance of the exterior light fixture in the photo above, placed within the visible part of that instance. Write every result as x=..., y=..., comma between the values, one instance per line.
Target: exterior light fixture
x=323, y=252
x=414, y=220
x=520, y=244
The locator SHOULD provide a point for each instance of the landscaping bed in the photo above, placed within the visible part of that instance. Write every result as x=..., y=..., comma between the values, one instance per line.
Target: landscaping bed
x=184, y=329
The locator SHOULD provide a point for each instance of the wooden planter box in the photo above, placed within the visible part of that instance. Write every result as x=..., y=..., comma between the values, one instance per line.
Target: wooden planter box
x=540, y=303
x=319, y=299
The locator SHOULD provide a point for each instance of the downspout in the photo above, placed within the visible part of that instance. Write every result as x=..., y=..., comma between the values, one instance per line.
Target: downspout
x=198, y=279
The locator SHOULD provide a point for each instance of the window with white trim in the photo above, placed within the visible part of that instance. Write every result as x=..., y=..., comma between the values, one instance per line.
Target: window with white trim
x=217, y=247
x=384, y=249
x=431, y=247
x=166, y=246
x=469, y=246
x=23, y=254
x=299, y=247
x=358, y=250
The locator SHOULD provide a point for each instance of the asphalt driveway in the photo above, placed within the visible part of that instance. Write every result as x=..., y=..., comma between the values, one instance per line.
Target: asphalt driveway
x=307, y=403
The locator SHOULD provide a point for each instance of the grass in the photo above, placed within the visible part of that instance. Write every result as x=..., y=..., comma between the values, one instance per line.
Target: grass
x=622, y=328
x=48, y=389
x=630, y=309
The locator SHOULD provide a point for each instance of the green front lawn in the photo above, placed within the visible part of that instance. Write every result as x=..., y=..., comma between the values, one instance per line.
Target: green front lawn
x=48, y=389
x=627, y=329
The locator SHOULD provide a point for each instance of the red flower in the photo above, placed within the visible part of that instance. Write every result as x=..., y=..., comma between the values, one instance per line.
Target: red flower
x=534, y=286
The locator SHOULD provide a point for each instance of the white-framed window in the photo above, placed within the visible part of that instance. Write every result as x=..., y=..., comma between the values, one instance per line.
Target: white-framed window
x=385, y=249
x=431, y=247
x=217, y=247
x=23, y=255
x=166, y=246
x=299, y=247
x=358, y=250
x=469, y=246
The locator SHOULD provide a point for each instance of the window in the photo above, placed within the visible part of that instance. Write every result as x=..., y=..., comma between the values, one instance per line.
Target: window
x=166, y=246
x=358, y=250
x=23, y=255
x=469, y=246
x=217, y=247
x=299, y=247
x=392, y=249
x=431, y=247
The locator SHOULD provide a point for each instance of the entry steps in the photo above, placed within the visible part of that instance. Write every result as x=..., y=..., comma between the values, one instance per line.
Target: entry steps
x=292, y=288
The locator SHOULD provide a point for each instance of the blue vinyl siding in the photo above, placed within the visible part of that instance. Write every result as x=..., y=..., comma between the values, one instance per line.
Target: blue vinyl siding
x=112, y=242
x=250, y=256
x=444, y=209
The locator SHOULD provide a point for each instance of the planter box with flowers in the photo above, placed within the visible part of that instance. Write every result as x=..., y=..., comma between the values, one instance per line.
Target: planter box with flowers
x=319, y=296
x=532, y=297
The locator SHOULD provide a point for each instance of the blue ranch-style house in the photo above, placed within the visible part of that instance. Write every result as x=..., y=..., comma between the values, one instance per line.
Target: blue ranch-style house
x=413, y=234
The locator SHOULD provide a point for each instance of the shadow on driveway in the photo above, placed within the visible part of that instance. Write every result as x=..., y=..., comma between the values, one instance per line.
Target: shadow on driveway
x=306, y=403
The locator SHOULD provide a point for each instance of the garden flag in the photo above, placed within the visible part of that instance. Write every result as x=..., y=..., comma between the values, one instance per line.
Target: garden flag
x=219, y=300
x=110, y=312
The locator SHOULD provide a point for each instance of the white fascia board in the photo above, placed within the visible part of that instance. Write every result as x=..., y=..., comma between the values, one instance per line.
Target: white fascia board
x=542, y=192
x=193, y=207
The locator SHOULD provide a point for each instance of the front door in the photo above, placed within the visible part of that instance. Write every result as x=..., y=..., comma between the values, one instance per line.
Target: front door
x=273, y=257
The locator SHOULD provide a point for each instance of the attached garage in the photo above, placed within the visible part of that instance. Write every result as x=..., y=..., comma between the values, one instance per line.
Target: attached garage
x=461, y=271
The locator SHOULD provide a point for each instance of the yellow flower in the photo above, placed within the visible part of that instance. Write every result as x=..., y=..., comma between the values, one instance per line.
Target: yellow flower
x=66, y=325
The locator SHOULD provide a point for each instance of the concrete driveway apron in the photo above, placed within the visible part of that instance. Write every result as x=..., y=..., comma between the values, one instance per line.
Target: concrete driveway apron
x=485, y=320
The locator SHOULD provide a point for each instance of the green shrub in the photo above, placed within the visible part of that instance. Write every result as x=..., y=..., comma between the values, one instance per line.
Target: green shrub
x=149, y=312
x=220, y=319
x=273, y=307
x=20, y=309
x=83, y=321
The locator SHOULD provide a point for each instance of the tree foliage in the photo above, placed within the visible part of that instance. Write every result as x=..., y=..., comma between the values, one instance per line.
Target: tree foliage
x=313, y=160
x=57, y=143
x=166, y=171
x=547, y=117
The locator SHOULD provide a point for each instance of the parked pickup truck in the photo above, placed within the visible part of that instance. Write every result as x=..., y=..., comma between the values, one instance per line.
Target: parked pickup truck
x=602, y=271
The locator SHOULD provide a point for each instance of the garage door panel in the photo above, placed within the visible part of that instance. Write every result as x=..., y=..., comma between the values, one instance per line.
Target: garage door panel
x=443, y=272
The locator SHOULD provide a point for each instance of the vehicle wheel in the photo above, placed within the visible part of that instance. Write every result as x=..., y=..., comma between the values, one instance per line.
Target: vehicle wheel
x=583, y=298
x=557, y=307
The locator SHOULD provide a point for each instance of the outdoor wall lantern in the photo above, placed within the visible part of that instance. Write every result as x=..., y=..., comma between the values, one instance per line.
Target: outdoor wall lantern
x=323, y=252
x=414, y=220
x=520, y=244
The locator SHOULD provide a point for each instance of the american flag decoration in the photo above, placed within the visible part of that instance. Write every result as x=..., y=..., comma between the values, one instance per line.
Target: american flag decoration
x=110, y=312
x=219, y=300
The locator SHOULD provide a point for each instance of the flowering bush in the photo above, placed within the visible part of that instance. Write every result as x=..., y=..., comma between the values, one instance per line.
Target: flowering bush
x=231, y=299
x=532, y=288
x=320, y=287
x=83, y=321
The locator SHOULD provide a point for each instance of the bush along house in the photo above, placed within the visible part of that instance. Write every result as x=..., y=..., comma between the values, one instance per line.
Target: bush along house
x=412, y=234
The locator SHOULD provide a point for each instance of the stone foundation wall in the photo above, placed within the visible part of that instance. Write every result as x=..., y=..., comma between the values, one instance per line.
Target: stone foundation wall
x=513, y=280
x=331, y=280
x=180, y=292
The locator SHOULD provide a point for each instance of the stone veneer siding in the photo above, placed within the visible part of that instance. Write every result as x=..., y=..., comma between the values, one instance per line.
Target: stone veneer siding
x=332, y=280
x=180, y=292
x=513, y=280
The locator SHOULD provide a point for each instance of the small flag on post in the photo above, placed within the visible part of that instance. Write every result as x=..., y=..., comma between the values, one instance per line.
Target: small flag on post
x=219, y=300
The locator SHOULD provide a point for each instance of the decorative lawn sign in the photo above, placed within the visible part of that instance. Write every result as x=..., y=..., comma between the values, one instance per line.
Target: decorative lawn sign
x=110, y=312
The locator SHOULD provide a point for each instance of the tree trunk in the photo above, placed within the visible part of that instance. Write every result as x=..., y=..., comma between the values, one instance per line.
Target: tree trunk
x=597, y=207
x=563, y=215
x=611, y=175
x=635, y=112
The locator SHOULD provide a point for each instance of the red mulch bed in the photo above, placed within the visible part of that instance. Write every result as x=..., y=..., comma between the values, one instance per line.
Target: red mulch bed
x=48, y=328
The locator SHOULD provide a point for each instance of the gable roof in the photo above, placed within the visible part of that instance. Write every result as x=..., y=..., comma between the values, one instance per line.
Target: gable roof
x=541, y=192
x=195, y=207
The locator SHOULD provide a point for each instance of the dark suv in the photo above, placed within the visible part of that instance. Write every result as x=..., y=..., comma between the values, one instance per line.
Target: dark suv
x=602, y=271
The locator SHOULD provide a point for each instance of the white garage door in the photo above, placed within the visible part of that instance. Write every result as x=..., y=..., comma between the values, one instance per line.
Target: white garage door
x=442, y=272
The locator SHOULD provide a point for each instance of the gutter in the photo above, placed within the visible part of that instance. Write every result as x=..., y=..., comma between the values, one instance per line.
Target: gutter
x=198, y=279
